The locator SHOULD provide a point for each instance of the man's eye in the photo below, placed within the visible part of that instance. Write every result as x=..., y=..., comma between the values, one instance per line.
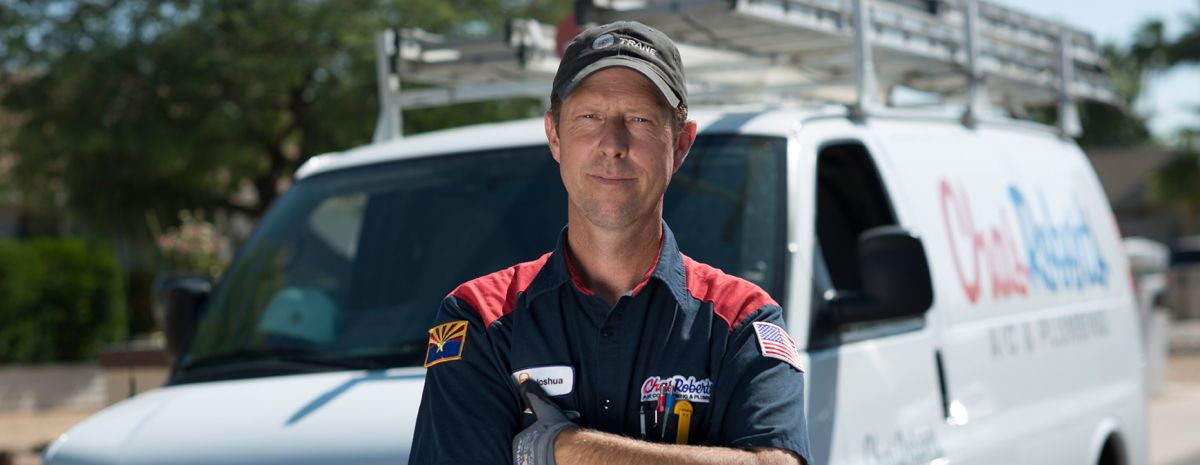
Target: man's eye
x=638, y=119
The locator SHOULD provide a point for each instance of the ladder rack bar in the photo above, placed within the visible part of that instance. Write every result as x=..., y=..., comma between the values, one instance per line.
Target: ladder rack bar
x=867, y=84
x=847, y=51
x=437, y=97
x=389, y=125
x=977, y=94
x=1068, y=113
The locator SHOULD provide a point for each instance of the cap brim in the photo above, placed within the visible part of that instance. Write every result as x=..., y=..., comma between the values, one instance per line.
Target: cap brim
x=628, y=62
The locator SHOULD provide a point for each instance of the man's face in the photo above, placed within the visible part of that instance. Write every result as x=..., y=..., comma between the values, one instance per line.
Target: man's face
x=615, y=147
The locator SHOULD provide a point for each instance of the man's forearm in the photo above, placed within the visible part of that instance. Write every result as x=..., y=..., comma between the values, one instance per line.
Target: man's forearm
x=587, y=447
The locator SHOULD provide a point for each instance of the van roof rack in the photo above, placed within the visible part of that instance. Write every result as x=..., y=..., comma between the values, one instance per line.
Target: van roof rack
x=963, y=51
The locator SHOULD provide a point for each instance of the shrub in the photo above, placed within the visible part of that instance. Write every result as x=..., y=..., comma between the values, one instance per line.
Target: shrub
x=60, y=300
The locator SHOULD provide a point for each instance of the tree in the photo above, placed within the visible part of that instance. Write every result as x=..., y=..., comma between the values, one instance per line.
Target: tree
x=155, y=105
x=1108, y=125
x=1178, y=183
x=137, y=109
x=1186, y=49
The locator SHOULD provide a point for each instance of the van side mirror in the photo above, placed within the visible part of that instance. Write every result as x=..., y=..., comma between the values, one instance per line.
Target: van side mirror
x=184, y=303
x=895, y=279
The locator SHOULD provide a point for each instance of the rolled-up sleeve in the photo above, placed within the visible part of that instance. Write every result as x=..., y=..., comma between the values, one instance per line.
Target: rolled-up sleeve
x=763, y=396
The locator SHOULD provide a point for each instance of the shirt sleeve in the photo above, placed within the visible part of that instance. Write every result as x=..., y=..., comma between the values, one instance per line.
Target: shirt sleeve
x=469, y=408
x=762, y=397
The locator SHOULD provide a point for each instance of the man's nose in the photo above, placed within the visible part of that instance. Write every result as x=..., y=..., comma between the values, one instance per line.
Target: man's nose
x=614, y=141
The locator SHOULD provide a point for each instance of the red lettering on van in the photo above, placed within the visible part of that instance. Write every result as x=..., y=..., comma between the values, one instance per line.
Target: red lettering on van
x=971, y=248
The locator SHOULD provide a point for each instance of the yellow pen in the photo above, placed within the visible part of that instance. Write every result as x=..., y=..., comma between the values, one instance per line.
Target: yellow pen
x=683, y=410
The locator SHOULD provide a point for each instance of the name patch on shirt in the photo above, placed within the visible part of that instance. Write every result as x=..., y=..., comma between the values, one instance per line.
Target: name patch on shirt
x=689, y=388
x=446, y=342
x=556, y=380
x=776, y=343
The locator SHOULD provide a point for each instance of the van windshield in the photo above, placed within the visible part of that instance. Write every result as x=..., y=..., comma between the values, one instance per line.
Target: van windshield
x=350, y=266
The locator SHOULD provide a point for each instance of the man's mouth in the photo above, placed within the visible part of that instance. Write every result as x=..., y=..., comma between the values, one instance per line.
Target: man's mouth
x=610, y=179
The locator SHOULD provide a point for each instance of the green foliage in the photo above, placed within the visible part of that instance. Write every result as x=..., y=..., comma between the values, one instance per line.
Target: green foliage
x=1186, y=49
x=136, y=107
x=60, y=300
x=1109, y=126
x=1178, y=183
x=1174, y=185
x=1118, y=126
x=124, y=112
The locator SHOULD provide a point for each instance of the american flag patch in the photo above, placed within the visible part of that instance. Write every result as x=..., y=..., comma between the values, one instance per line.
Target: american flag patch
x=776, y=343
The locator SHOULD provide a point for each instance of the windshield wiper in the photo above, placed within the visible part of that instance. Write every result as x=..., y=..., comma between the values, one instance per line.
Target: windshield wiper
x=258, y=355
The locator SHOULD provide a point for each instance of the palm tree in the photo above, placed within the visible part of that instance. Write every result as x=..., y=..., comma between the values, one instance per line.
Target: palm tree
x=1177, y=184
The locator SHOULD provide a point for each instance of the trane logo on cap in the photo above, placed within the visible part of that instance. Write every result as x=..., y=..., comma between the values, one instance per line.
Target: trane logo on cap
x=607, y=40
x=638, y=45
x=557, y=380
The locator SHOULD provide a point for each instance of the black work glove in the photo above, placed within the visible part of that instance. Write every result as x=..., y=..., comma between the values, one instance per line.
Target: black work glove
x=535, y=445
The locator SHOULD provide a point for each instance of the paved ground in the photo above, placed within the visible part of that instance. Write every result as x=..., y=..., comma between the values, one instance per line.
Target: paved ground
x=1185, y=337
x=1175, y=414
x=1174, y=420
x=21, y=433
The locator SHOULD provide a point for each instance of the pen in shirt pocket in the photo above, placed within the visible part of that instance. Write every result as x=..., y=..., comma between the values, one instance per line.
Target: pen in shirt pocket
x=669, y=393
x=660, y=406
x=642, y=415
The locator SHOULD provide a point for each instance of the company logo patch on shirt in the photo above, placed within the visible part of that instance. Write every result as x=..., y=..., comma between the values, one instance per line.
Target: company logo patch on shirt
x=446, y=342
x=689, y=388
x=776, y=343
x=557, y=380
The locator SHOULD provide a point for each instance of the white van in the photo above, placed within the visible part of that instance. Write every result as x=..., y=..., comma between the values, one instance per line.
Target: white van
x=309, y=350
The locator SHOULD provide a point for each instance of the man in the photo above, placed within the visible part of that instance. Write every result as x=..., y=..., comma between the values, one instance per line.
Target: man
x=614, y=348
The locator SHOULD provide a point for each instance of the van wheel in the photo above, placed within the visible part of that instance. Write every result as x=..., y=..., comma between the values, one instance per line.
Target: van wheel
x=1113, y=452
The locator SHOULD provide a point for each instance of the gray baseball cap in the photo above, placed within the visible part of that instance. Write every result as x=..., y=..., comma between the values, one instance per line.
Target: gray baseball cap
x=623, y=43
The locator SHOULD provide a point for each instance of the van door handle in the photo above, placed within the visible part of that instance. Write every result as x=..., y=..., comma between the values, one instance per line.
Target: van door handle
x=941, y=374
x=954, y=411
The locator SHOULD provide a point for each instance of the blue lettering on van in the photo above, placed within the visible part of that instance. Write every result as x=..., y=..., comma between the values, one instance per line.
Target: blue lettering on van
x=1048, y=250
x=1061, y=255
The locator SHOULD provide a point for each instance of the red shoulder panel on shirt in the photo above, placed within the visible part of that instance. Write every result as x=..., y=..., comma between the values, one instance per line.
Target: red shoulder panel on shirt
x=733, y=298
x=494, y=295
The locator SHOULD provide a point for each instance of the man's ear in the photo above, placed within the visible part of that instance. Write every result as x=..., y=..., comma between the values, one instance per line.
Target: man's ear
x=683, y=143
x=551, y=134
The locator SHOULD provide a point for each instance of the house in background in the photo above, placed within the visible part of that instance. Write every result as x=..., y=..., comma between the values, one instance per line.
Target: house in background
x=1124, y=172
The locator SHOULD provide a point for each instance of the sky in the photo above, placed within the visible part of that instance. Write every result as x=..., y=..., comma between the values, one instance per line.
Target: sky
x=1172, y=99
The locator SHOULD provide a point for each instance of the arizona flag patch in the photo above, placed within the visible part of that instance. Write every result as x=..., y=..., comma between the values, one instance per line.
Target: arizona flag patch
x=446, y=342
x=776, y=343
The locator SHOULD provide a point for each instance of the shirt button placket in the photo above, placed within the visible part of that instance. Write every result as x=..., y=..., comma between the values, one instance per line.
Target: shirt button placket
x=610, y=359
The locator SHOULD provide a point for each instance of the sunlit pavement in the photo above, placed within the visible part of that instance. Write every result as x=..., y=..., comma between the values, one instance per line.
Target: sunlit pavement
x=1174, y=413
x=22, y=433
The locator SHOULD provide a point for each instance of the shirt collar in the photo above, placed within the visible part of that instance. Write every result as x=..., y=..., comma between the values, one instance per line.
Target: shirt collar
x=668, y=269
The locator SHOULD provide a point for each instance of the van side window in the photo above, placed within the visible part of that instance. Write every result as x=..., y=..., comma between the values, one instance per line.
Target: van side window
x=850, y=200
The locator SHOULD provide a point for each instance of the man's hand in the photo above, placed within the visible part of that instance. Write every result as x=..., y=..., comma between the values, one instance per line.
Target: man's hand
x=535, y=445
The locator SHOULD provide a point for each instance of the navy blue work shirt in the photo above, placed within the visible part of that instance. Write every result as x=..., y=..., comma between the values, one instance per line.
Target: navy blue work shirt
x=710, y=345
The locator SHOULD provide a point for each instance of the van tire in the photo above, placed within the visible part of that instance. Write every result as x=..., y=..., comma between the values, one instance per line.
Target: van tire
x=1113, y=452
